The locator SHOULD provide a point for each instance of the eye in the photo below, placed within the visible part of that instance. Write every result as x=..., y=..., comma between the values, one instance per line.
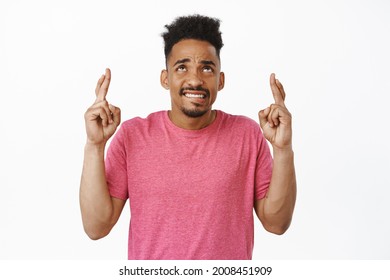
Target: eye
x=181, y=68
x=208, y=69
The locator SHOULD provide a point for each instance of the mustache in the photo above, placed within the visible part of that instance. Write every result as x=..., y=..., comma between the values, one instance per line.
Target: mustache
x=199, y=88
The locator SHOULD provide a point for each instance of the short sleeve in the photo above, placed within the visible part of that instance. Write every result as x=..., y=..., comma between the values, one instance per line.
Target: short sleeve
x=264, y=165
x=116, y=166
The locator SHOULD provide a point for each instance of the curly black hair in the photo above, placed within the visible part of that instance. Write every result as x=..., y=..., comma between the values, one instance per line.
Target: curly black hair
x=192, y=27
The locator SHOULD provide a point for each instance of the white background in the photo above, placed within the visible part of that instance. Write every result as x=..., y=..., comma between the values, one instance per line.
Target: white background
x=332, y=57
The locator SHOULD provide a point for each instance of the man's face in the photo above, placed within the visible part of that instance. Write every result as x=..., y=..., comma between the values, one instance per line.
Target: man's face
x=193, y=77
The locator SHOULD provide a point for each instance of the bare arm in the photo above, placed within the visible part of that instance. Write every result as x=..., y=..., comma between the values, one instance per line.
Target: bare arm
x=276, y=209
x=99, y=210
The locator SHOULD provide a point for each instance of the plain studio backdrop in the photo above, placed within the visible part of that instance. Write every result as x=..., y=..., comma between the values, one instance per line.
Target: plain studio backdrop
x=332, y=57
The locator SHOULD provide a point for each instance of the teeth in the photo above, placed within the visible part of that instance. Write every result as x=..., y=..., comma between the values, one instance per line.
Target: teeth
x=194, y=95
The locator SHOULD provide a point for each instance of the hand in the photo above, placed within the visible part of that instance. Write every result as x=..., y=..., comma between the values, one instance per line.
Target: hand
x=275, y=120
x=102, y=118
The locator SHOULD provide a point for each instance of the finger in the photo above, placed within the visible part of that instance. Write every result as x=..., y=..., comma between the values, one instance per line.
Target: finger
x=116, y=114
x=263, y=117
x=278, y=96
x=280, y=86
x=104, y=117
x=269, y=118
x=98, y=85
x=106, y=107
x=273, y=116
x=96, y=114
x=102, y=92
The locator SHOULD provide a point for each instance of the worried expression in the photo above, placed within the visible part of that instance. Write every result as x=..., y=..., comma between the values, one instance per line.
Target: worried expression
x=193, y=77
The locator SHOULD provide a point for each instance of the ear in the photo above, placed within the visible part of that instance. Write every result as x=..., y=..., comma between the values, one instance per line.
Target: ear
x=164, y=79
x=221, y=81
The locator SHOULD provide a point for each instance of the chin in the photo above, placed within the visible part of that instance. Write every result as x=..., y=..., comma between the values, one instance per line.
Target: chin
x=194, y=113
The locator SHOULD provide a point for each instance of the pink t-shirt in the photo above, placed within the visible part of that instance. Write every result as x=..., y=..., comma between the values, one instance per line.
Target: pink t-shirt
x=191, y=192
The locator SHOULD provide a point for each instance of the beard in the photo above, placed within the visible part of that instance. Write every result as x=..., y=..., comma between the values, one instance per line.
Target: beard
x=196, y=112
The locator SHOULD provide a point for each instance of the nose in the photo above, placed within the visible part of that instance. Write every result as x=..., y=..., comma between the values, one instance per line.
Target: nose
x=194, y=79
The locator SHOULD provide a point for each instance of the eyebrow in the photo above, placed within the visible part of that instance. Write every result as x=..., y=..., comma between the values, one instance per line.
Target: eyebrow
x=184, y=60
x=208, y=62
x=180, y=61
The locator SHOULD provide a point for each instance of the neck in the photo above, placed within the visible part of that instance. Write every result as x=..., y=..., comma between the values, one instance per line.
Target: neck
x=183, y=121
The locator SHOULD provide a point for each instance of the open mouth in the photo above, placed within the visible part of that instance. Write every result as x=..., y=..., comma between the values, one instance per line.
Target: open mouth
x=194, y=95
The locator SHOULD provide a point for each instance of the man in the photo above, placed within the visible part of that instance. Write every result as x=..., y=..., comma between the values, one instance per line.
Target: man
x=193, y=175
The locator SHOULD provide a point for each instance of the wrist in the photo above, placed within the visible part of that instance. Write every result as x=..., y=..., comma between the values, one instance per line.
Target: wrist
x=94, y=147
x=283, y=152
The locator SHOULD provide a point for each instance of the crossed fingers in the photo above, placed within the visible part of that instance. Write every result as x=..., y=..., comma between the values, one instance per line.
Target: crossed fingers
x=103, y=85
x=101, y=92
x=277, y=91
x=272, y=115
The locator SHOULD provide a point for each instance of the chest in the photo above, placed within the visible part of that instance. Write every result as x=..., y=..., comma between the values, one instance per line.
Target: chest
x=191, y=168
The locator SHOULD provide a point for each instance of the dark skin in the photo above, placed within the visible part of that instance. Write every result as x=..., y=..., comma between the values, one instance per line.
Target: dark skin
x=276, y=209
x=192, y=64
x=193, y=78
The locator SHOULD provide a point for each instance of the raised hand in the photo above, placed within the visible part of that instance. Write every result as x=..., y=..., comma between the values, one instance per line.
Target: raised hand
x=275, y=120
x=102, y=118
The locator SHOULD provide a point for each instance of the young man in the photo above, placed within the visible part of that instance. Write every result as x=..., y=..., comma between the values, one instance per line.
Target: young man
x=193, y=175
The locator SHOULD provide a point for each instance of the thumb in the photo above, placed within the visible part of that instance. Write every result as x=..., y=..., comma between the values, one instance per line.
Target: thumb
x=263, y=116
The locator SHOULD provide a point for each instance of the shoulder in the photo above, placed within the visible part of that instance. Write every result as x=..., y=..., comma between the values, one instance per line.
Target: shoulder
x=140, y=126
x=238, y=122
x=140, y=122
x=242, y=129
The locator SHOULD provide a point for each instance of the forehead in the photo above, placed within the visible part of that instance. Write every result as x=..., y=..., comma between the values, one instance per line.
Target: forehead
x=195, y=50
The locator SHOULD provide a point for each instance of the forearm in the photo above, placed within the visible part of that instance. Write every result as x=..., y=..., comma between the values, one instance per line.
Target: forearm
x=95, y=200
x=278, y=206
